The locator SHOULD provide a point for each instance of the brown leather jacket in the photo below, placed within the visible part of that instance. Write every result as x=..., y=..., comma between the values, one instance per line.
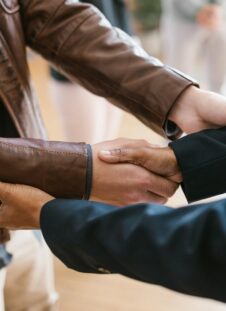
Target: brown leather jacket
x=80, y=42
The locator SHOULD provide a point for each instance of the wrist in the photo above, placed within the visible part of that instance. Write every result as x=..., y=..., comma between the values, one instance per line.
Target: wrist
x=174, y=173
x=184, y=103
x=36, y=212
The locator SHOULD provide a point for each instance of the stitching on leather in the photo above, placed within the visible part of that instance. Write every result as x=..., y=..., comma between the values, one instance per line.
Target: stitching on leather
x=42, y=150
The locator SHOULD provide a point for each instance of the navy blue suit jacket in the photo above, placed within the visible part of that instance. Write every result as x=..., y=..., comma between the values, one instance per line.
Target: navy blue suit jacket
x=182, y=249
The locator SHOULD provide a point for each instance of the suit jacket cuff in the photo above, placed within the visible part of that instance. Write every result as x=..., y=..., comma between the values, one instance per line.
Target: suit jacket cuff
x=201, y=157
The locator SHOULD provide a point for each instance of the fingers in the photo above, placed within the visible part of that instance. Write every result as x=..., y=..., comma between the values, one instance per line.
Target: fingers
x=122, y=155
x=161, y=161
x=21, y=206
x=161, y=186
x=151, y=197
x=155, y=189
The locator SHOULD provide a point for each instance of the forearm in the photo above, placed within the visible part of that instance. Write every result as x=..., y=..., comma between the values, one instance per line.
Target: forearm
x=182, y=249
x=83, y=45
x=55, y=167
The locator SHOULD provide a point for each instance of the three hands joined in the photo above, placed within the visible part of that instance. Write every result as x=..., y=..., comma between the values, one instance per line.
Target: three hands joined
x=124, y=171
x=146, y=174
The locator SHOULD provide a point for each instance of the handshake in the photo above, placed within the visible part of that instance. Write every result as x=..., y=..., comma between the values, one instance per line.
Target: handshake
x=135, y=172
x=124, y=172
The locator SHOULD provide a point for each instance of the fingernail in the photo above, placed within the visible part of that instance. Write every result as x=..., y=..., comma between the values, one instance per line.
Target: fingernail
x=105, y=152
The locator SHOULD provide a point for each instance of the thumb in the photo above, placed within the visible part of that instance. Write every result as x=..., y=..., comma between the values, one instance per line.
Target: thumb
x=121, y=155
x=161, y=161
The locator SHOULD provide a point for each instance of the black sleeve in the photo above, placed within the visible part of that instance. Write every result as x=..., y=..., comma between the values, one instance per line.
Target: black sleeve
x=181, y=249
x=202, y=160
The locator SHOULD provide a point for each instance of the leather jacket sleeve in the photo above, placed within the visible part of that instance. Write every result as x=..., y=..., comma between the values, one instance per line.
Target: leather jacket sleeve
x=83, y=45
x=55, y=167
x=182, y=249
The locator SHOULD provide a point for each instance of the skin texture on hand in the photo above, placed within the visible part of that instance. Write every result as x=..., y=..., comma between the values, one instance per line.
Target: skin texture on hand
x=197, y=110
x=21, y=206
x=114, y=182
x=123, y=182
x=161, y=161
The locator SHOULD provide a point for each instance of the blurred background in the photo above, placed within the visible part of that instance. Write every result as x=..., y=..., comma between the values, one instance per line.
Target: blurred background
x=189, y=35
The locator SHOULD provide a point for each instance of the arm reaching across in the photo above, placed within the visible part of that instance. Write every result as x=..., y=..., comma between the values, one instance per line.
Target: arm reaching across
x=181, y=249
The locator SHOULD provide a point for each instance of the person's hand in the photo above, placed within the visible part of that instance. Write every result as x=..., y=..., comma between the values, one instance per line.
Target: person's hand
x=161, y=161
x=21, y=206
x=124, y=184
x=211, y=16
x=197, y=110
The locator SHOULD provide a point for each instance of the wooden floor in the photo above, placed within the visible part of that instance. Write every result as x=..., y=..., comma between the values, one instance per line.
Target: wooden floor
x=110, y=293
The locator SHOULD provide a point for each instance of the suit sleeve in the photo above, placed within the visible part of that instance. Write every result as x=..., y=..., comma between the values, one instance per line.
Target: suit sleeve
x=181, y=249
x=202, y=160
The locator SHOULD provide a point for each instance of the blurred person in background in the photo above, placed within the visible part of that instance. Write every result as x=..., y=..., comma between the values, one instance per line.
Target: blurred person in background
x=78, y=107
x=193, y=32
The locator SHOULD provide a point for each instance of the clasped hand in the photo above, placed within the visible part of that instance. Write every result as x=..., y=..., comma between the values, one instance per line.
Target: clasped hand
x=134, y=171
x=125, y=172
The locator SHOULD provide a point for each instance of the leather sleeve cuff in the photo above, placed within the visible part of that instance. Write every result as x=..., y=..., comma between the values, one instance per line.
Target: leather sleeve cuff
x=201, y=157
x=89, y=173
x=57, y=168
x=172, y=131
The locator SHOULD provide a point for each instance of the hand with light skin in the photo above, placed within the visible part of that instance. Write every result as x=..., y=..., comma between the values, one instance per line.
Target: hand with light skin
x=21, y=206
x=150, y=174
x=197, y=109
x=211, y=17
x=128, y=183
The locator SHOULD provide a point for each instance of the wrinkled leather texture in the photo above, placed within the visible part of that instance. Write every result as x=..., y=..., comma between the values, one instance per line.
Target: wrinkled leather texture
x=80, y=42
x=55, y=167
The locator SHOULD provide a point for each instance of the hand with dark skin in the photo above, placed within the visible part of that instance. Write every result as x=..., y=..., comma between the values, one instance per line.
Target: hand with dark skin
x=160, y=161
x=158, y=171
x=131, y=182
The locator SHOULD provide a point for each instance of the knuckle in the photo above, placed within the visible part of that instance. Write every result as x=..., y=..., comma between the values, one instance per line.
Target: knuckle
x=168, y=189
x=172, y=189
